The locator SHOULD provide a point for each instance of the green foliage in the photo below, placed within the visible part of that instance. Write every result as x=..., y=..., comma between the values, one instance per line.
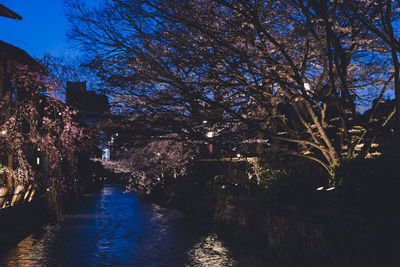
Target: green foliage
x=263, y=171
x=285, y=179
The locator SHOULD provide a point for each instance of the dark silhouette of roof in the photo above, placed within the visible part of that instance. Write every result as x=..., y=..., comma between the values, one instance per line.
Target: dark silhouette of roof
x=8, y=13
x=16, y=54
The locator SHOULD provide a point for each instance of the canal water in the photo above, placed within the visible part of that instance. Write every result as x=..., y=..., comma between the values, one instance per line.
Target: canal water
x=113, y=228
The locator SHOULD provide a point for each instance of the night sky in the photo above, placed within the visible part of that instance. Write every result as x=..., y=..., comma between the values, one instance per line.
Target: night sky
x=42, y=29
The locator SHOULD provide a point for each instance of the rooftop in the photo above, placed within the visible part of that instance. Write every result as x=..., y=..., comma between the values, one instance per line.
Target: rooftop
x=8, y=13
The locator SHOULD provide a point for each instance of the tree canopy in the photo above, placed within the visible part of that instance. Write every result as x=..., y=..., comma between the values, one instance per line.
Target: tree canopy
x=295, y=73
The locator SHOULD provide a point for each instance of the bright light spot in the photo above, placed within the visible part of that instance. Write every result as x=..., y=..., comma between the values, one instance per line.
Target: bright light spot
x=48, y=190
x=3, y=132
x=205, y=121
x=330, y=188
x=236, y=184
x=210, y=251
x=158, y=154
x=59, y=113
x=307, y=87
x=116, y=134
x=158, y=179
x=106, y=154
x=38, y=161
x=38, y=149
x=238, y=155
x=320, y=188
x=223, y=186
x=210, y=134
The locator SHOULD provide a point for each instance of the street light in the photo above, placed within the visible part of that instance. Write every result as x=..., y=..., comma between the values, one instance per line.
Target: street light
x=210, y=134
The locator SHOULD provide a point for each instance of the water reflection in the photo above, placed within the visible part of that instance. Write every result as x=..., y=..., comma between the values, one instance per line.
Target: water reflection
x=34, y=249
x=210, y=251
x=112, y=228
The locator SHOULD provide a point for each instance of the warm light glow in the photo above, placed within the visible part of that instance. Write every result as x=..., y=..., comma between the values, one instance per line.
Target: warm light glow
x=211, y=251
x=320, y=188
x=158, y=154
x=210, y=134
x=330, y=188
x=238, y=155
x=3, y=132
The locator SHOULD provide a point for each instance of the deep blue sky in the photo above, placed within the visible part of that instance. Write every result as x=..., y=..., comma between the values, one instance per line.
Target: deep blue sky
x=42, y=28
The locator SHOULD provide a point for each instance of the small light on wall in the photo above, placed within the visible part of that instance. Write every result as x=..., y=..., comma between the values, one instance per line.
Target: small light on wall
x=38, y=161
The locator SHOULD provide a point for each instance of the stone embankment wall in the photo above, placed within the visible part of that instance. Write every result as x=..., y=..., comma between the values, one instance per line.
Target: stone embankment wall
x=17, y=221
x=305, y=237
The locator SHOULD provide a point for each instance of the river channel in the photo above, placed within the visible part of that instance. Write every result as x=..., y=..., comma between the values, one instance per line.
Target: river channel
x=113, y=228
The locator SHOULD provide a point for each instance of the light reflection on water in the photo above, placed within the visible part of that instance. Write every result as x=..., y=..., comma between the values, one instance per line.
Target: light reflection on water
x=112, y=228
x=210, y=251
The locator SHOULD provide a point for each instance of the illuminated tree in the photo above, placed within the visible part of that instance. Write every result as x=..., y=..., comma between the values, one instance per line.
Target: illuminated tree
x=36, y=127
x=293, y=72
x=150, y=163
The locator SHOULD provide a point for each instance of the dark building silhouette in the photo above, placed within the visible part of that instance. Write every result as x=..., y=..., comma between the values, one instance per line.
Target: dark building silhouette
x=10, y=57
x=91, y=109
x=90, y=105
x=8, y=13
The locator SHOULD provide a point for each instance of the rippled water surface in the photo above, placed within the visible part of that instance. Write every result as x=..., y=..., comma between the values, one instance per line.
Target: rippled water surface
x=112, y=228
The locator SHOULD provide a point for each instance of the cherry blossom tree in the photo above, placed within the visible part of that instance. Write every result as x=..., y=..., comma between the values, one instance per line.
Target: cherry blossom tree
x=381, y=18
x=36, y=126
x=293, y=72
x=147, y=164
